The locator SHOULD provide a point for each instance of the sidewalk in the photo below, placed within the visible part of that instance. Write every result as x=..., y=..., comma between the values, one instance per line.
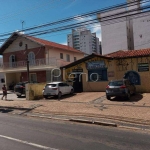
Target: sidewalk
x=89, y=104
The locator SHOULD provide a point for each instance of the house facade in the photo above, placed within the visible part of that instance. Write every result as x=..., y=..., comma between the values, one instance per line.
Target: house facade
x=43, y=56
x=92, y=73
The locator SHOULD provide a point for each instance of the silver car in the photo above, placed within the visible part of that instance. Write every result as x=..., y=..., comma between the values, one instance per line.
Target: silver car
x=57, y=89
x=120, y=88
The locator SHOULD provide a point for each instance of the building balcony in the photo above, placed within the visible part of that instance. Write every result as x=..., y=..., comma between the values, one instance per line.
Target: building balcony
x=37, y=64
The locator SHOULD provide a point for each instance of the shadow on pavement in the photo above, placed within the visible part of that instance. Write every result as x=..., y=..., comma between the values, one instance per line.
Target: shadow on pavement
x=4, y=110
x=21, y=96
x=62, y=98
x=134, y=98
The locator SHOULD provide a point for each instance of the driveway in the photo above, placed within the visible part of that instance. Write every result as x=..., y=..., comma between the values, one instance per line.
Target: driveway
x=12, y=96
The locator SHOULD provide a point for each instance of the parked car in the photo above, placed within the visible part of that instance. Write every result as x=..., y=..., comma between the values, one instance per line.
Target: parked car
x=11, y=86
x=57, y=89
x=19, y=88
x=120, y=88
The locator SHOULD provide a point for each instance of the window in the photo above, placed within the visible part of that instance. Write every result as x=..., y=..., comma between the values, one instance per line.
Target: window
x=68, y=57
x=61, y=84
x=12, y=61
x=33, y=77
x=97, y=75
x=61, y=55
x=75, y=58
x=65, y=84
x=51, y=85
x=31, y=58
x=26, y=46
x=2, y=80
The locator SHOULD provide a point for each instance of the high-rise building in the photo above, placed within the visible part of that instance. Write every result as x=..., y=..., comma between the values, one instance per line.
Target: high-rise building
x=125, y=28
x=83, y=40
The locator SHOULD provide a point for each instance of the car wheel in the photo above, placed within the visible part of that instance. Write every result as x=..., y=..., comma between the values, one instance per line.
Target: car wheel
x=59, y=95
x=108, y=97
x=19, y=95
x=45, y=96
x=71, y=91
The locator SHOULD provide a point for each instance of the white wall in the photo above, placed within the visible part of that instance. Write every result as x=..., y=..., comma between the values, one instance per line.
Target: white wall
x=114, y=32
x=15, y=46
x=141, y=29
x=114, y=37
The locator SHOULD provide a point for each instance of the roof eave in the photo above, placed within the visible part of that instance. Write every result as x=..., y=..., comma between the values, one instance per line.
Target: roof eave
x=8, y=42
x=84, y=59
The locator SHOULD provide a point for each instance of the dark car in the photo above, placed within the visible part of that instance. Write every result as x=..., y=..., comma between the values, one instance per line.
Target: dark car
x=122, y=88
x=19, y=88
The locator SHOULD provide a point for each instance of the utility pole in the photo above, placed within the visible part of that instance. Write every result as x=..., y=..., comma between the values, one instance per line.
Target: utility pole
x=27, y=61
x=28, y=70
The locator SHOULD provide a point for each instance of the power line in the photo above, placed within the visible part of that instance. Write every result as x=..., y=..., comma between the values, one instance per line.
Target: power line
x=82, y=15
x=75, y=25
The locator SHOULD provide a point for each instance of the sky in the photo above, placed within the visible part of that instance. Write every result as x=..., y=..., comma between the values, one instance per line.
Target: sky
x=18, y=14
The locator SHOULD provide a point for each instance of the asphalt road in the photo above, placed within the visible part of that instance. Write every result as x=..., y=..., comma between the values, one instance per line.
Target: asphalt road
x=21, y=133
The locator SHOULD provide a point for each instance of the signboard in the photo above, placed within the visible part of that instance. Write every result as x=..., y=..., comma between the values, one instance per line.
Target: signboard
x=95, y=65
x=143, y=67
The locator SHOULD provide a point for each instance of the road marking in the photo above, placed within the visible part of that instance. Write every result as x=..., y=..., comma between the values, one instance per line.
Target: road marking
x=28, y=143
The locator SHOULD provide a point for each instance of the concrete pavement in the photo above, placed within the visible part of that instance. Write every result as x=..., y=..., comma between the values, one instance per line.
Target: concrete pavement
x=93, y=105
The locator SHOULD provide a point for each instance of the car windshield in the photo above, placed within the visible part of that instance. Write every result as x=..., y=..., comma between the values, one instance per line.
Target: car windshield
x=51, y=85
x=116, y=83
x=21, y=83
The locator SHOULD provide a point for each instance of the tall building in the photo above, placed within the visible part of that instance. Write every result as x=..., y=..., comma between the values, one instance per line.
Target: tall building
x=125, y=28
x=83, y=40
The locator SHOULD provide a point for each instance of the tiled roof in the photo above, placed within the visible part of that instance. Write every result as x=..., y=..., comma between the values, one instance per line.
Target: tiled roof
x=129, y=53
x=52, y=44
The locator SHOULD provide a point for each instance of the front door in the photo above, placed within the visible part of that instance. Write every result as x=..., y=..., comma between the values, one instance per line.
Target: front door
x=77, y=84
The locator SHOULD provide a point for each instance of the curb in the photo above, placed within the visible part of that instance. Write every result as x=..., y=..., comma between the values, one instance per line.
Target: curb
x=134, y=128
x=94, y=122
x=54, y=118
x=78, y=120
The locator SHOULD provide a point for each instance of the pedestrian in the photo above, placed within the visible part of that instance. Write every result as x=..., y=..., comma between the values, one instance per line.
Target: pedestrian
x=4, y=92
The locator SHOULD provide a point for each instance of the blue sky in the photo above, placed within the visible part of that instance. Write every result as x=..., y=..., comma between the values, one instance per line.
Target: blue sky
x=37, y=12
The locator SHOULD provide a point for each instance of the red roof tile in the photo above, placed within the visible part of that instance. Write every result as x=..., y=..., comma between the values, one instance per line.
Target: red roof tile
x=52, y=44
x=129, y=53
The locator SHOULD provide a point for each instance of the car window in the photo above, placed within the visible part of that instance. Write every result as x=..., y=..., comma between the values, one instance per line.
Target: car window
x=61, y=84
x=20, y=83
x=116, y=83
x=65, y=84
x=51, y=85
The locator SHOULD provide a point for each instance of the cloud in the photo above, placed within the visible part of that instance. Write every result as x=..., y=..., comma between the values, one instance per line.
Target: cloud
x=81, y=19
x=72, y=4
x=64, y=43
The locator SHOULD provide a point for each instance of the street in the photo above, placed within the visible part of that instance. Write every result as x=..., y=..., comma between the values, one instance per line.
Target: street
x=21, y=133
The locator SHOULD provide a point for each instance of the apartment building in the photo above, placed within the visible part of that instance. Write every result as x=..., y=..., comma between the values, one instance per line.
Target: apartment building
x=125, y=27
x=83, y=40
